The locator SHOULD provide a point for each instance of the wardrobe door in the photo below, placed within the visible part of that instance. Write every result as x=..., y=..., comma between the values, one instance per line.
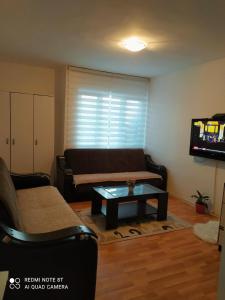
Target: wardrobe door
x=21, y=133
x=5, y=127
x=43, y=133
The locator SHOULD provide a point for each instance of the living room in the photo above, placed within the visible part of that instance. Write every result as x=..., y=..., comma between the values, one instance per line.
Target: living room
x=51, y=49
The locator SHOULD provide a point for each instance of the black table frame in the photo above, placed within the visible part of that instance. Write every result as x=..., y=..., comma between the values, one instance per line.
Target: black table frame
x=112, y=206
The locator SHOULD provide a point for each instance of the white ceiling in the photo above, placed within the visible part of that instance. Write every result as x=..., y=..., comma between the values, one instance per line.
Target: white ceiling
x=87, y=32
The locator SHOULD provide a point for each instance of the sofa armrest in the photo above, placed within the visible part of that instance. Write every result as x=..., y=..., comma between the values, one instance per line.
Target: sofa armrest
x=64, y=179
x=24, y=181
x=158, y=169
x=10, y=235
x=71, y=255
x=61, y=165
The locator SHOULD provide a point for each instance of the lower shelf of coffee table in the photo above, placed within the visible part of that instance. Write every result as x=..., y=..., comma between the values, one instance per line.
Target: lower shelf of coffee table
x=129, y=210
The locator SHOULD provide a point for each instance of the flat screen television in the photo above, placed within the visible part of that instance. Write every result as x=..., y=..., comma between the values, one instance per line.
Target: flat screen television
x=208, y=138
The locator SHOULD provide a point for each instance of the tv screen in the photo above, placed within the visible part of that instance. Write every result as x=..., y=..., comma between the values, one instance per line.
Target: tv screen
x=208, y=138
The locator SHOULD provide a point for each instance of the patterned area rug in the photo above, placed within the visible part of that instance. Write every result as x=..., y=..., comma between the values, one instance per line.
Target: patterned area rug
x=130, y=229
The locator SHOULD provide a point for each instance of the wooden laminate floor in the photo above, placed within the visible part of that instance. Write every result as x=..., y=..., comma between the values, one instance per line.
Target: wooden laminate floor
x=168, y=266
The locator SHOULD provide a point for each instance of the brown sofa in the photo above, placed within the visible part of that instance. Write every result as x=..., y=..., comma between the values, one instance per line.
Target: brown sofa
x=81, y=169
x=40, y=236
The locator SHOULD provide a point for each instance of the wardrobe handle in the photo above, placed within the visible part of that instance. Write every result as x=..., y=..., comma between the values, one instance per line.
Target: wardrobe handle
x=35, y=142
x=7, y=141
x=13, y=141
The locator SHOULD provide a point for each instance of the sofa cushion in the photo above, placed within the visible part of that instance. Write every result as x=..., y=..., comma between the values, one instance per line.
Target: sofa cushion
x=43, y=209
x=8, y=193
x=122, y=176
x=91, y=161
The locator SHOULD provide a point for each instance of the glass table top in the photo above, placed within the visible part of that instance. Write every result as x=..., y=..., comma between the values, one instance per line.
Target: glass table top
x=112, y=192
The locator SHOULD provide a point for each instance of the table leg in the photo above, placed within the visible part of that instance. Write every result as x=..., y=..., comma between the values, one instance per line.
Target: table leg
x=96, y=206
x=111, y=214
x=141, y=208
x=162, y=206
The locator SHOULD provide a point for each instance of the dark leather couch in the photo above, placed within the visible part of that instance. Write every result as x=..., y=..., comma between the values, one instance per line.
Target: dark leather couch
x=68, y=253
x=98, y=161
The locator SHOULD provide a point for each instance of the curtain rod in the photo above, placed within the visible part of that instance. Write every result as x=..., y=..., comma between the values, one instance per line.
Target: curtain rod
x=105, y=73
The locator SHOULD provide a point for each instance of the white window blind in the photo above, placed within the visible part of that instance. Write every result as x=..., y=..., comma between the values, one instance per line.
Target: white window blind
x=104, y=111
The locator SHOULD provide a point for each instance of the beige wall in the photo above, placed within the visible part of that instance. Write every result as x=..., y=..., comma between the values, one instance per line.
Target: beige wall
x=26, y=78
x=174, y=100
x=60, y=92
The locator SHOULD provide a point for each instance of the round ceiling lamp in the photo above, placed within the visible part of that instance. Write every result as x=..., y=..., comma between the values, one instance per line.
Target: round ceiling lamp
x=133, y=44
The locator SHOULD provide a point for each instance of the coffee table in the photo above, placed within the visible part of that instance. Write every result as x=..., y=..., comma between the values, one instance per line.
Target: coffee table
x=123, y=204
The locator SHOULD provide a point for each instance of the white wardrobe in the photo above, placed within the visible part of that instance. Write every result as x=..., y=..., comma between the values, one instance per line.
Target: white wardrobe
x=27, y=132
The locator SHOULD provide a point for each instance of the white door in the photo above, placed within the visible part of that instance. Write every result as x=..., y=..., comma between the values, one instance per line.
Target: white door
x=22, y=133
x=43, y=133
x=5, y=127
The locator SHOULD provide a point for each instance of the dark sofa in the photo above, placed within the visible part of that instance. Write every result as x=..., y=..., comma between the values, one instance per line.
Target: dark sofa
x=68, y=254
x=78, y=170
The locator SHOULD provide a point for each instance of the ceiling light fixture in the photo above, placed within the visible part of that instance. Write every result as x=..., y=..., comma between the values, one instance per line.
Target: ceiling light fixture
x=133, y=44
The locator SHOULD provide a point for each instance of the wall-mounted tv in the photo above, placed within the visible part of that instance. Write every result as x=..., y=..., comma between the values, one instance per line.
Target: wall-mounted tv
x=208, y=138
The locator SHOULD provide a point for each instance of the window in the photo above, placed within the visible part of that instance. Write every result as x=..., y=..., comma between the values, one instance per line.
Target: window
x=105, y=111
